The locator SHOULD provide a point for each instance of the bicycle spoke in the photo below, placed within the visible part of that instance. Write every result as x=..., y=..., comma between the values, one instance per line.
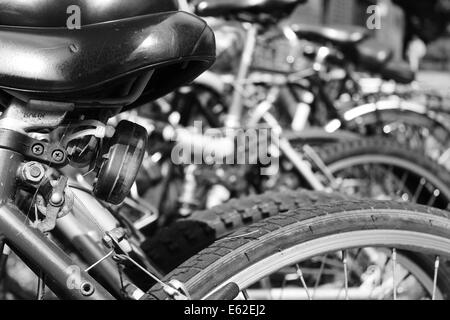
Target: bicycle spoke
x=282, y=288
x=319, y=277
x=436, y=271
x=432, y=199
x=398, y=285
x=418, y=190
x=394, y=262
x=345, y=262
x=302, y=281
x=390, y=170
x=245, y=294
x=402, y=184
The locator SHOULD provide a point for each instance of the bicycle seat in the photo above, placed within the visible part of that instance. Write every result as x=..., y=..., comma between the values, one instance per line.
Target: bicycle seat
x=373, y=55
x=68, y=64
x=399, y=71
x=337, y=35
x=214, y=8
x=53, y=13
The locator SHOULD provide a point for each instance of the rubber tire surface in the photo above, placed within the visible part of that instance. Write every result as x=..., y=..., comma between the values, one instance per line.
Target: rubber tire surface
x=172, y=245
x=225, y=258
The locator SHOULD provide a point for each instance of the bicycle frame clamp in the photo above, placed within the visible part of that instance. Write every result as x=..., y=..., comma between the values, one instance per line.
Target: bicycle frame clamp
x=33, y=149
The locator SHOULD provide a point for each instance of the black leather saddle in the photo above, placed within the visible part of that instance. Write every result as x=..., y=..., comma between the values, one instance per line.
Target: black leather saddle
x=399, y=71
x=370, y=55
x=335, y=35
x=373, y=56
x=119, y=41
x=53, y=13
x=214, y=8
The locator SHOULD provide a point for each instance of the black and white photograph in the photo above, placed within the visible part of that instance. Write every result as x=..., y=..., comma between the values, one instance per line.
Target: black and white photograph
x=240, y=151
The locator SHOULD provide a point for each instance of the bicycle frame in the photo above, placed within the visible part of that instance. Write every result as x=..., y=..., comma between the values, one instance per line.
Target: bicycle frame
x=84, y=227
x=34, y=247
x=236, y=109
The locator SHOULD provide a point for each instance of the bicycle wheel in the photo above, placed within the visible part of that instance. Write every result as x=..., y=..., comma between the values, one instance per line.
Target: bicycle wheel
x=419, y=131
x=352, y=162
x=255, y=256
x=172, y=245
x=380, y=168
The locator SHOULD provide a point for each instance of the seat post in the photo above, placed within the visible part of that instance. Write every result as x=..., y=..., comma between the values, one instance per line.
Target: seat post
x=235, y=113
x=184, y=6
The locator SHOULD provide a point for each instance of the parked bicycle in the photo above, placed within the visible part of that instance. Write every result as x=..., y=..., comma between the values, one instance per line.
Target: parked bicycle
x=72, y=213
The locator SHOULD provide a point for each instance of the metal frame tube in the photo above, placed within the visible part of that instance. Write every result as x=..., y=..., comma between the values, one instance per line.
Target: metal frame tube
x=38, y=251
x=45, y=255
x=89, y=209
x=235, y=113
x=92, y=252
x=11, y=162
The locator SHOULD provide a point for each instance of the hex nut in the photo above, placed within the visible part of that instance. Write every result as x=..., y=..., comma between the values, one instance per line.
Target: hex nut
x=33, y=172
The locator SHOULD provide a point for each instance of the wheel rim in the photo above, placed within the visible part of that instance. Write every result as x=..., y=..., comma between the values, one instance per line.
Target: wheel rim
x=424, y=177
x=417, y=130
x=400, y=239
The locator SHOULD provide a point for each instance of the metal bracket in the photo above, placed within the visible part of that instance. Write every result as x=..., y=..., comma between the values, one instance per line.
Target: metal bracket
x=33, y=116
x=21, y=118
x=54, y=206
x=33, y=149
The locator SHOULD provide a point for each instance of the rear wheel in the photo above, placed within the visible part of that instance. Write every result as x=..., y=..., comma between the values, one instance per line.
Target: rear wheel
x=419, y=131
x=376, y=168
x=172, y=245
x=369, y=242
x=380, y=168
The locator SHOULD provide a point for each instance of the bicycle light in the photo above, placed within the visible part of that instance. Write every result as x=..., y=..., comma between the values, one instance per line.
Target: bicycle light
x=120, y=163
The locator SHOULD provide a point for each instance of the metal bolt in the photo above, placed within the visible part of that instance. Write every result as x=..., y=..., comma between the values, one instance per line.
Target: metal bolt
x=33, y=172
x=38, y=149
x=57, y=199
x=58, y=155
